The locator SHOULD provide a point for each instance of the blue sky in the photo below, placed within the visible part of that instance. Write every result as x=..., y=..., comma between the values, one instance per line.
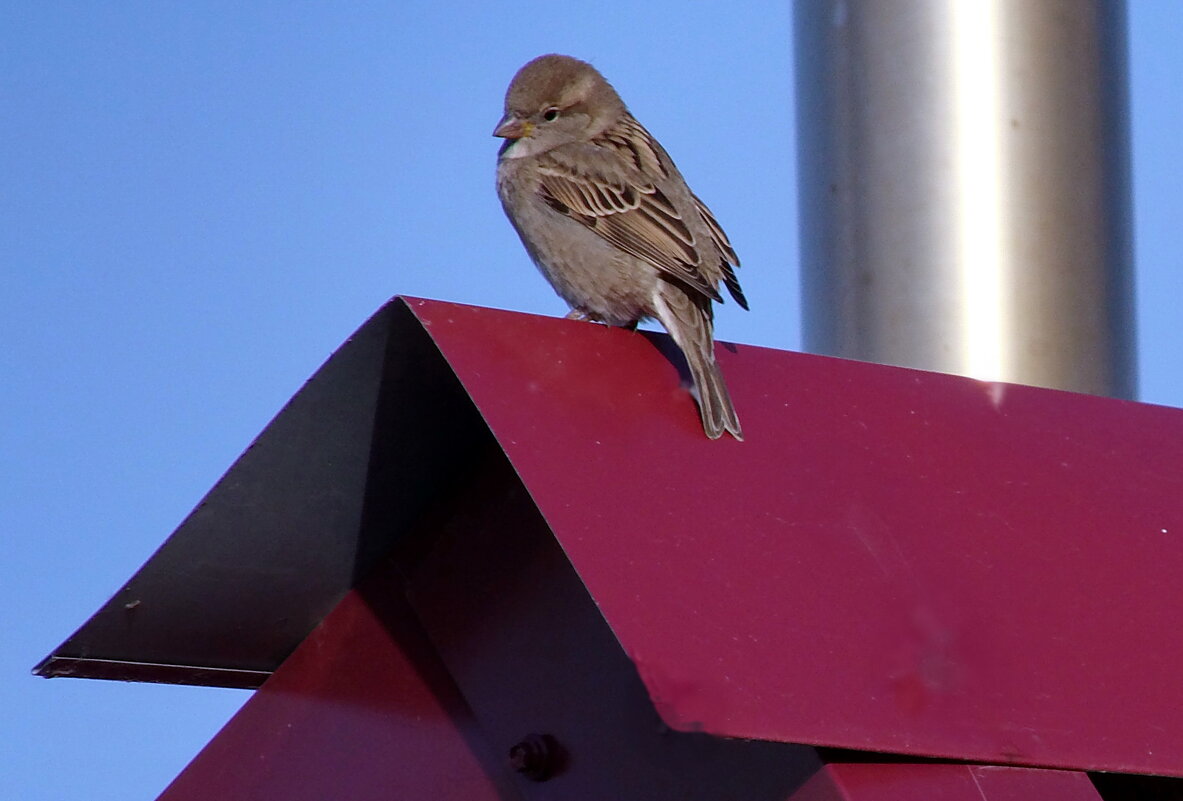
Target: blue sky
x=200, y=201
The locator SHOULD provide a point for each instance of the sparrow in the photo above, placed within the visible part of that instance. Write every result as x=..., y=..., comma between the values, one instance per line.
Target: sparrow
x=610, y=222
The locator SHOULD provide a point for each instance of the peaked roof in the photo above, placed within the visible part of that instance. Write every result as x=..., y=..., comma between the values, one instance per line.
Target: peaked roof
x=893, y=560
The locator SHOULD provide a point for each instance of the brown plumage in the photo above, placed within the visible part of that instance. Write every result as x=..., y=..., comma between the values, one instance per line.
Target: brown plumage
x=610, y=221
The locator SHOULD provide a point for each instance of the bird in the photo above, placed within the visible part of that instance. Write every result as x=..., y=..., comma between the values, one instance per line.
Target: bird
x=610, y=221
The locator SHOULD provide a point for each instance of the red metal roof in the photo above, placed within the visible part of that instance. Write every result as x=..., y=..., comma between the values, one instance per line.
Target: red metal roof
x=943, y=782
x=893, y=560
x=358, y=712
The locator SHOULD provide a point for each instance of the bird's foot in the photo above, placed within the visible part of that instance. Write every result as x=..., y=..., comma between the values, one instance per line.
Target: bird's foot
x=591, y=317
x=583, y=315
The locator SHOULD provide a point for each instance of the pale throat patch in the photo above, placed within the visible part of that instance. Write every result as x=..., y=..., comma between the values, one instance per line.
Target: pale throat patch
x=521, y=148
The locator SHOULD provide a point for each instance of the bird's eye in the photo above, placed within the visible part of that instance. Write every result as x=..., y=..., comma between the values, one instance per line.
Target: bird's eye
x=551, y=114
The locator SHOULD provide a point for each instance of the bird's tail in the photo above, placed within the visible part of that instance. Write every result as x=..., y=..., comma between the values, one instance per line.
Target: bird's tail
x=688, y=321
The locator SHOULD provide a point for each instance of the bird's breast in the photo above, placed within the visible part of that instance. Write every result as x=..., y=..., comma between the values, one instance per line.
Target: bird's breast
x=586, y=270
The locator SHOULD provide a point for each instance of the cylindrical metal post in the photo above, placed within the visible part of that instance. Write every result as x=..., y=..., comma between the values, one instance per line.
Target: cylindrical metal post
x=965, y=189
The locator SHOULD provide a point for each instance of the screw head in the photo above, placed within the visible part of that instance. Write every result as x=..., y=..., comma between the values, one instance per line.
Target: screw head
x=537, y=757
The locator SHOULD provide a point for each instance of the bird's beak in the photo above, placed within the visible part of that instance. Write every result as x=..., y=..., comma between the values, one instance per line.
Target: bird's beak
x=512, y=127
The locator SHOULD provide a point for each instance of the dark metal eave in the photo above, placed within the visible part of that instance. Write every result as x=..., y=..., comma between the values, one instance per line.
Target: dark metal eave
x=894, y=560
x=291, y=526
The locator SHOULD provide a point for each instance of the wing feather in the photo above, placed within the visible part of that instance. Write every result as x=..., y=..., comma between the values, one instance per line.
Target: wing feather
x=727, y=258
x=622, y=202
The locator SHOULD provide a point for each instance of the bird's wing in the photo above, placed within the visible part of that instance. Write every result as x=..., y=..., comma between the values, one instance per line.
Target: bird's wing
x=616, y=193
x=727, y=258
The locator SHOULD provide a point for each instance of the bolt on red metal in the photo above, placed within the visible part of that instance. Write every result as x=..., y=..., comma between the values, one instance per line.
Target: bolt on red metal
x=537, y=757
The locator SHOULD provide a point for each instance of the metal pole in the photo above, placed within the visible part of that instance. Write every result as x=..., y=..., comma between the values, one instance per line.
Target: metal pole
x=965, y=187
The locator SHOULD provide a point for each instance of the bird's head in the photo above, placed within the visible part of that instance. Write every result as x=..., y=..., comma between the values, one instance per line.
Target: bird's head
x=555, y=100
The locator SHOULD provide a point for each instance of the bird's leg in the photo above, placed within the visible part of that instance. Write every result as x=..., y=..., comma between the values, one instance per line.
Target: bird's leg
x=583, y=315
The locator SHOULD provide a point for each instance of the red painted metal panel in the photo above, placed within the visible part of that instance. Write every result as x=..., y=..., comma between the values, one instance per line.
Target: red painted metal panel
x=997, y=783
x=362, y=710
x=894, y=560
x=939, y=782
x=529, y=650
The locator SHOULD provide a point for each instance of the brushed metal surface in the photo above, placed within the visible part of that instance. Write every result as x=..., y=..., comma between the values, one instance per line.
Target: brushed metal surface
x=965, y=188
